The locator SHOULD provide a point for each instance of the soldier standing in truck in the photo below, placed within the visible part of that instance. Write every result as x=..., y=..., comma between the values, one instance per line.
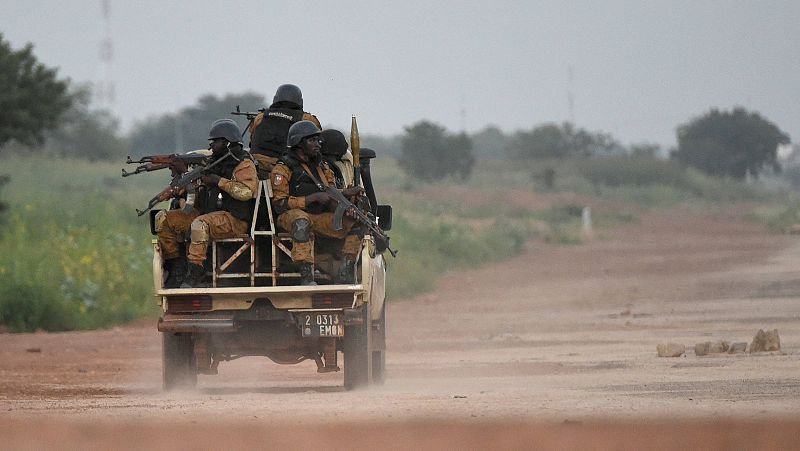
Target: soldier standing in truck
x=223, y=208
x=303, y=208
x=269, y=128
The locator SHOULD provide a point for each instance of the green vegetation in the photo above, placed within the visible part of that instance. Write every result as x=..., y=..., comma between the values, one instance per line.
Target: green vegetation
x=778, y=217
x=32, y=97
x=74, y=255
x=431, y=153
x=730, y=143
x=187, y=129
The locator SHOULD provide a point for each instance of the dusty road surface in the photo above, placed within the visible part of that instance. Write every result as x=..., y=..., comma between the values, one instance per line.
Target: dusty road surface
x=553, y=349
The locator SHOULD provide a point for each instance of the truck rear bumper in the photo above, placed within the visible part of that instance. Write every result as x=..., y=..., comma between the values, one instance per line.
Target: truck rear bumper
x=189, y=323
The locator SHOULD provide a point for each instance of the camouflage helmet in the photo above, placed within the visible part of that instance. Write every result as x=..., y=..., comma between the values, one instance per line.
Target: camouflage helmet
x=299, y=131
x=333, y=143
x=290, y=94
x=227, y=129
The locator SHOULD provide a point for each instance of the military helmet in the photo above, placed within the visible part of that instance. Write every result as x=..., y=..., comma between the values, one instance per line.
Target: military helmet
x=300, y=130
x=288, y=93
x=225, y=128
x=333, y=143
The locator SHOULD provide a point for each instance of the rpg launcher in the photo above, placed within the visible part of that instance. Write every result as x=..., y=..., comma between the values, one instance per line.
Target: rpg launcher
x=345, y=206
x=181, y=183
x=177, y=163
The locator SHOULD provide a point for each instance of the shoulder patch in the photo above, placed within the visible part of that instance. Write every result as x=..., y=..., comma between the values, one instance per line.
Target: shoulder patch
x=277, y=179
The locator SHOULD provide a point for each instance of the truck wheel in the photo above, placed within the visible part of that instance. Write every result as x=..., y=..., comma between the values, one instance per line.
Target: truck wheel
x=379, y=357
x=357, y=355
x=178, y=362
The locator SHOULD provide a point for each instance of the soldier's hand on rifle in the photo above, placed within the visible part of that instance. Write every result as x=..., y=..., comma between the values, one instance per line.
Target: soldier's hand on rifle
x=351, y=213
x=353, y=191
x=211, y=179
x=320, y=197
x=168, y=193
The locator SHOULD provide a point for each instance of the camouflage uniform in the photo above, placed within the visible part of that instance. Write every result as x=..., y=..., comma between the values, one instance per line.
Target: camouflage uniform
x=290, y=184
x=240, y=188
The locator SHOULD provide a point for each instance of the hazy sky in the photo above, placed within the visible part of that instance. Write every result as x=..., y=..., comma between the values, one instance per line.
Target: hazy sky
x=639, y=67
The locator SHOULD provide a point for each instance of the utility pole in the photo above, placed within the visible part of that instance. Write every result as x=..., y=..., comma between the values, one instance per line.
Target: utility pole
x=570, y=96
x=104, y=90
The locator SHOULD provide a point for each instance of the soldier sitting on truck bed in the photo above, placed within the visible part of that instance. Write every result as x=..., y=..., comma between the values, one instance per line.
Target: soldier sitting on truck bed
x=269, y=128
x=236, y=180
x=303, y=207
x=335, y=151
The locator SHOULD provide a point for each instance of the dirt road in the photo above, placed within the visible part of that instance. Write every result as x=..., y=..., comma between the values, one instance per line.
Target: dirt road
x=556, y=347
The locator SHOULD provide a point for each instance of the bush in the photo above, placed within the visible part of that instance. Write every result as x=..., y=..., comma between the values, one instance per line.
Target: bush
x=633, y=170
x=430, y=153
x=437, y=247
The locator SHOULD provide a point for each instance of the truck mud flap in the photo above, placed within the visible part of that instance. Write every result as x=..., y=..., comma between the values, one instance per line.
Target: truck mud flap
x=177, y=323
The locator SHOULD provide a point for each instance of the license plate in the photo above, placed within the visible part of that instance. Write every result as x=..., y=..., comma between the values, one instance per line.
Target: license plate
x=322, y=325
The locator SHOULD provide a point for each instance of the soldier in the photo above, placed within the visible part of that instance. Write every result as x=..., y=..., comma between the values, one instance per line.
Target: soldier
x=335, y=152
x=303, y=207
x=268, y=130
x=235, y=179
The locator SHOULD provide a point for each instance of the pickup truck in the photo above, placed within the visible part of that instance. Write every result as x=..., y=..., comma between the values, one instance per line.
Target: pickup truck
x=256, y=307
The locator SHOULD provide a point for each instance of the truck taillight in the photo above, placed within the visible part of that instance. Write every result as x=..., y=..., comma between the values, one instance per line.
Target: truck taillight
x=332, y=300
x=188, y=303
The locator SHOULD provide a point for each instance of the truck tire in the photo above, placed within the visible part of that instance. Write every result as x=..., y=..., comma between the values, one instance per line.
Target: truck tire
x=178, y=362
x=357, y=353
x=379, y=356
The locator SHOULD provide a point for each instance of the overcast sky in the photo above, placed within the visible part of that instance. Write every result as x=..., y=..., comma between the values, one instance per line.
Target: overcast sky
x=639, y=67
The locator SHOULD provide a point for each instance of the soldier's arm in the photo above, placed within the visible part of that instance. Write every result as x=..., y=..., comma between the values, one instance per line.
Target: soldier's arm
x=257, y=120
x=244, y=181
x=281, y=200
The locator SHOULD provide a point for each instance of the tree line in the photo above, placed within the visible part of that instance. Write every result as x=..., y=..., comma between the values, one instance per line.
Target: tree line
x=48, y=115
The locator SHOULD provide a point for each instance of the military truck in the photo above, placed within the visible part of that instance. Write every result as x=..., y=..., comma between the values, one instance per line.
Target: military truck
x=256, y=307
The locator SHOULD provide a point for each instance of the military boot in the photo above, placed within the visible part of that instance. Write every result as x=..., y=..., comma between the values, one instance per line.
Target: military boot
x=347, y=272
x=307, y=274
x=195, y=277
x=177, y=271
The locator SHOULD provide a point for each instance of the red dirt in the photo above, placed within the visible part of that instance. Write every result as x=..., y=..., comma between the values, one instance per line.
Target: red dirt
x=554, y=349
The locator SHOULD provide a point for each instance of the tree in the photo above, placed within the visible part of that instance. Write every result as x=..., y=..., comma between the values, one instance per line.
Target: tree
x=431, y=153
x=490, y=143
x=561, y=141
x=82, y=133
x=32, y=97
x=729, y=143
x=188, y=129
x=383, y=145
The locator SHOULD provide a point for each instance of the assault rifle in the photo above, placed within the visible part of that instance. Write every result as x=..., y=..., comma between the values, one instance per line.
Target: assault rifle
x=250, y=115
x=182, y=182
x=345, y=206
x=177, y=163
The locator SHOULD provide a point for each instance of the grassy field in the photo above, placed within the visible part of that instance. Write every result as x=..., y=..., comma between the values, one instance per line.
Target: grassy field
x=74, y=255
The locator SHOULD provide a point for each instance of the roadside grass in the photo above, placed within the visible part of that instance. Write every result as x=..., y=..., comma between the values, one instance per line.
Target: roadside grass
x=782, y=218
x=74, y=255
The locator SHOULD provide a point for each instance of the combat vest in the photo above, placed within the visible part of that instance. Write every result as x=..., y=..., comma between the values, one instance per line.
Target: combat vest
x=269, y=137
x=301, y=184
x=209, y=198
